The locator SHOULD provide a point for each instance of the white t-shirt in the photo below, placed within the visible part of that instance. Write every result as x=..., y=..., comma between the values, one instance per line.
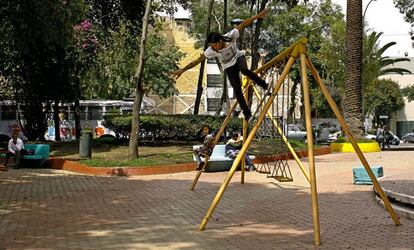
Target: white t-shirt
x=228, y=55
x=13, y=147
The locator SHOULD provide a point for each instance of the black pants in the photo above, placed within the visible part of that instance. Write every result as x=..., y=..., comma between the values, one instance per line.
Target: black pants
x=17, y=155
x=233, y=73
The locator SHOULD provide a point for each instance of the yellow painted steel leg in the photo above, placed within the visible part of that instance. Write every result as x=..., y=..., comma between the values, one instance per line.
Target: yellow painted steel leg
x=314, y=192
x=284, y=54
x=245, y=145
x=354, y=143
x=199, y=174
x=285, y=140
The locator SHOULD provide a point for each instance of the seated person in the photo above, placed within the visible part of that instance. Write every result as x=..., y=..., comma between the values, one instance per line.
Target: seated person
x=16, y=149
x=233, y=147
x=206, y=149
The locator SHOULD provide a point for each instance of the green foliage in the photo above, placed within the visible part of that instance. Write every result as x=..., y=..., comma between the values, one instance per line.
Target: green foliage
x=161, y=62
x=374, y=63
x=383, y=97
x=111, y=76
x=406, y=7
x=168, y=127
x=408, y=92
x=198, y=11
x=36, y=59
x=345, y=140
x=332, y=58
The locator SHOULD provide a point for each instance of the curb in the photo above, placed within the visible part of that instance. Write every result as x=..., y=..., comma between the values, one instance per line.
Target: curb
x=73, y=166
x=347, y=147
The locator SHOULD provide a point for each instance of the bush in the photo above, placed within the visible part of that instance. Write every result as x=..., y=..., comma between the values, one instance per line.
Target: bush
x=345, y=140
x=159, y=128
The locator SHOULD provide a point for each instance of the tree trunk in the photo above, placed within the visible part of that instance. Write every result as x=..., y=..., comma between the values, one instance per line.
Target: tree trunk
x=56, y=120
x=255, y=48
x=353, y=78
x=133, y=138
x=225, y=94
x=77, y=119
x=202, y=64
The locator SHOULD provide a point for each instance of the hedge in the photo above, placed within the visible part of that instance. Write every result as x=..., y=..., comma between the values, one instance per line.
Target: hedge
x=168, y=127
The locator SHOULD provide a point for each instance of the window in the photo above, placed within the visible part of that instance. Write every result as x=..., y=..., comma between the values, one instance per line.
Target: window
x=95, y=112
x=213, y=104
x=8, y=112
x=214, y=81
x=83, y=113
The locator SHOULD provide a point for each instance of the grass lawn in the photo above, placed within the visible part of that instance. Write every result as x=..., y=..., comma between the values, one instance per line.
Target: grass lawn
x=106, y=154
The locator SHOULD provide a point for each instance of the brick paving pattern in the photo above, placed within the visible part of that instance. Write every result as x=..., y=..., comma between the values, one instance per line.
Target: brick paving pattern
x=55, y=209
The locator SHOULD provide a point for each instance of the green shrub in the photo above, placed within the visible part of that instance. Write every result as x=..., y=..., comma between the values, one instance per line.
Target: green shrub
x=160, y=128
x=344, y=140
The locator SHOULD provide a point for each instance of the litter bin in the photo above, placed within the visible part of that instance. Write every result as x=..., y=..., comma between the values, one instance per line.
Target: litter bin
x=85, y=144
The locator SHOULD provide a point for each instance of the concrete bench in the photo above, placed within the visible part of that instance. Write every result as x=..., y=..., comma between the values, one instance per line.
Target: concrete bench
x=38, y=159
x=218, y=161
x=361, y=176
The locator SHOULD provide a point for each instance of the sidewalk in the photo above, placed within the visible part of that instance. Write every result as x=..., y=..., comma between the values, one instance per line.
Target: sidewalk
x=55, y=209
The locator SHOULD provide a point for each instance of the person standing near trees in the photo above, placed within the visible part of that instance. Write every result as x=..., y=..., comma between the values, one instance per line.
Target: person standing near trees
x=224, y=47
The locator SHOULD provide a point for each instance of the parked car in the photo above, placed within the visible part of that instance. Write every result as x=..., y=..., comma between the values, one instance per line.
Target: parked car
x=370, y=137
x=409, y=137
x=296, y=133
x=326, y=136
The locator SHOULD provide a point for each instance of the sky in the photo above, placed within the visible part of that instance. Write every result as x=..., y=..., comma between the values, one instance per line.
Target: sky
x=382, y=16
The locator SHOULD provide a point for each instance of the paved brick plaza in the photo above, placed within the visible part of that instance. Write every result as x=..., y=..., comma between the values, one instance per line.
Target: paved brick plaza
x=54, y=209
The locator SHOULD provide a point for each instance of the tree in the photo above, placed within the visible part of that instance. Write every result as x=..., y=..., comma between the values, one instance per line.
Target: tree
x=383, y=97
x=37, y=60
x=406, y=7
x=156, y=63
x=408, y=92
x=353, y=65
x=375, y=64
x=139, y=88
x=202, y=64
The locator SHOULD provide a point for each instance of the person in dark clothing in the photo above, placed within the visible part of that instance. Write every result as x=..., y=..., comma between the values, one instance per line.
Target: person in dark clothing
x=224, y=47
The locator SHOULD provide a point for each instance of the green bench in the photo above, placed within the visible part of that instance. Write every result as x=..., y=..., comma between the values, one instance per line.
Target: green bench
x=38, y=159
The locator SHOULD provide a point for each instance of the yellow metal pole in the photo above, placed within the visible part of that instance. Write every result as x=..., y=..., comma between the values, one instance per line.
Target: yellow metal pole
x=285, y=140
x=246, y=145
x=199, y=174
x=287, y=52
x=354, y=143
x=314, y=192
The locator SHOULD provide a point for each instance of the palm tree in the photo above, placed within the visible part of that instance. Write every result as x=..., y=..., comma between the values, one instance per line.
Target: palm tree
x=353, y=65
x=374, y=63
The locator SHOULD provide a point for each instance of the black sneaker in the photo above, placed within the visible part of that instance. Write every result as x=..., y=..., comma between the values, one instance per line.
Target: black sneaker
x=248, y=116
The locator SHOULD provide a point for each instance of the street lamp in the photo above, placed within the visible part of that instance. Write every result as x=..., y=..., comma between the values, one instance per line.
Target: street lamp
x=363, y=15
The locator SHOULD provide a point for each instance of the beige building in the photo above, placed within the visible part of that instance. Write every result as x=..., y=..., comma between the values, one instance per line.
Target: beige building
x=176, y=33
x=403, y=121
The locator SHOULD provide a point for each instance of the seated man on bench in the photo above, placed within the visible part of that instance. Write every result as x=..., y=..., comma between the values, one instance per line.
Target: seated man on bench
x=16, y=149
x=233, y=147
